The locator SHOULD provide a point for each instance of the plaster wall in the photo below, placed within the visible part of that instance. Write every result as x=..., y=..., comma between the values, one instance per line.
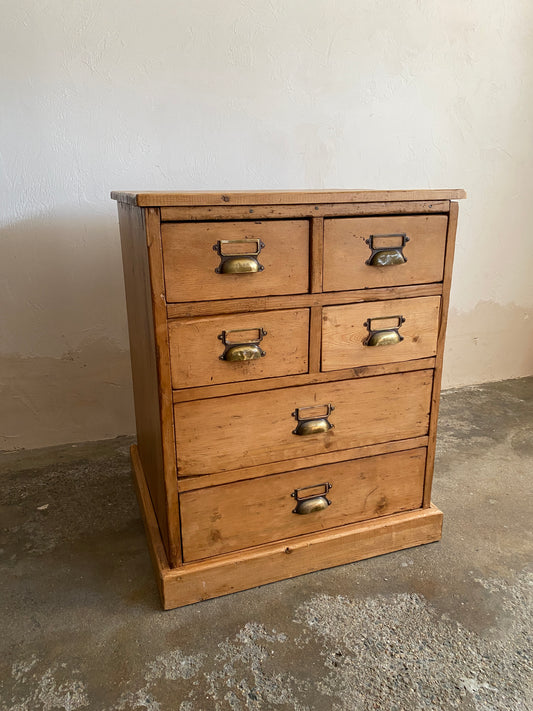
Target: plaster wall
x=219, y=95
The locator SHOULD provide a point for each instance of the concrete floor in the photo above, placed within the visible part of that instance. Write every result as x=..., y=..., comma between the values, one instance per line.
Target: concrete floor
x=442, y=626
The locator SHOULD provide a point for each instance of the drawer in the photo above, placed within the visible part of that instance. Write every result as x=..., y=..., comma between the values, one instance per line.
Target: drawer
x=253, y=345
x=379, y=332
x=247, y=513
x=220, y=434
x=350, y=263
x=277, y=249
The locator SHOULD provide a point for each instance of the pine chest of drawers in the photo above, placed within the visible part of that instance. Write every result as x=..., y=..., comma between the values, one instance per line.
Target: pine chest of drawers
x=286, y=352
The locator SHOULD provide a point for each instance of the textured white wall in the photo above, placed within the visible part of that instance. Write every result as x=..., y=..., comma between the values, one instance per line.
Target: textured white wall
x=176, y=94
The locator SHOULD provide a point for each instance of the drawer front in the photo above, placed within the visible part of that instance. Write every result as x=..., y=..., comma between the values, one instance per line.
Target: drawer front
x=379, y=332
x=226, y=349
x=277, y=249
x=419, y=239
x=220, y=434
x=234, y=516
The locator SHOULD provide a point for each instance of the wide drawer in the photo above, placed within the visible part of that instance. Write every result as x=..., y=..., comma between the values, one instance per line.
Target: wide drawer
x=228, y=260
x=235, y=347
x=366, y=252
x=247, y=513
x=220, y=434
x=379, y=332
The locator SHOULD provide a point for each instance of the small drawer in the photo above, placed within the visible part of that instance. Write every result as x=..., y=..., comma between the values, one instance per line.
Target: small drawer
x=221, y=434
x=248, y=513
x=204, y=261
x=379, y=332
x=236, y=347
x=368, y=252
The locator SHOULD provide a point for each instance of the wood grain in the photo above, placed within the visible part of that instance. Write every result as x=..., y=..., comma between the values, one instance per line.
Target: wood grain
x=144, y=367
x=166, y=413
x=346, y=251
x=278, y=197
x=211, y=308
x=190, y=261
x=195, y=348
x=364, y=371
x=152, y=529
x=237, y=516
x=232, y=572
x=435, y=396
x=251, y=429
x=317, y=254
x=315, y=339
x=344, y=455
x=268, y=212
x=344, y=333
x=265, y=564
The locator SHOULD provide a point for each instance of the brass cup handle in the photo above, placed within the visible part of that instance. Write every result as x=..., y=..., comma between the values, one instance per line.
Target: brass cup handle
x=390, y=255
x=312, y=425
x=384, y=336
x=312, y=502
x=241, y=262
x=242, y=350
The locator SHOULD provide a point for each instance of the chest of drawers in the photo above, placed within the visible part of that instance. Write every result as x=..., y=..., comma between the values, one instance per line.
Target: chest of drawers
x=286, y=353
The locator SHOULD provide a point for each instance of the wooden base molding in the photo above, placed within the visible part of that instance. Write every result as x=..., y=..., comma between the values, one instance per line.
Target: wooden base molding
x=269, y=563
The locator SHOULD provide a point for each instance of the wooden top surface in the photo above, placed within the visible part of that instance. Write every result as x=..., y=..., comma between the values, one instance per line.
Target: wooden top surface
x=279, y=197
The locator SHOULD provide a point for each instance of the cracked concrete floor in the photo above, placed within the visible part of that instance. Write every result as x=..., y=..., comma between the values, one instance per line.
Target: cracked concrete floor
x=442, y=626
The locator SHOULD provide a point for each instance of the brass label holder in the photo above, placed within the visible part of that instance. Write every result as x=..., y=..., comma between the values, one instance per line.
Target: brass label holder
x=383, y=336
x=387, y=256
x=312, y=502
x=242, y=350
x=312, y=425
x=238, y=262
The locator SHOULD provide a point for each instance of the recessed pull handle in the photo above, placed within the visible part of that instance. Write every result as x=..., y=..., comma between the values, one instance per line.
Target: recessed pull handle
x=388, y=336
x=316, y=424
x=233, y=261
x=312, y=502
x=239, y=350
x=389, y=252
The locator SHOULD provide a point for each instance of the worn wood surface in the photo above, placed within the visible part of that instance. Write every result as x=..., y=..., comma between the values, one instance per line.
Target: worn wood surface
x=232, y=572
x=344, y=333
x=211, y=308
x=144, y=358
x=315, y=339
x=269, y=212
x=195, y=348
x=248, y=513
x=317, y=254
x=372, y=450
x=364, y=371
x=152, y=528
x=250, y=430
x=277, y=197
x=346, y=251
x=166, y=413
x=435, y=396
x=190, y=260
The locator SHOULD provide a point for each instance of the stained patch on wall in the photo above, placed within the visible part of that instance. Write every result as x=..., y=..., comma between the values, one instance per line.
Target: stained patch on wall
x=84, y=395
x=491, y=342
